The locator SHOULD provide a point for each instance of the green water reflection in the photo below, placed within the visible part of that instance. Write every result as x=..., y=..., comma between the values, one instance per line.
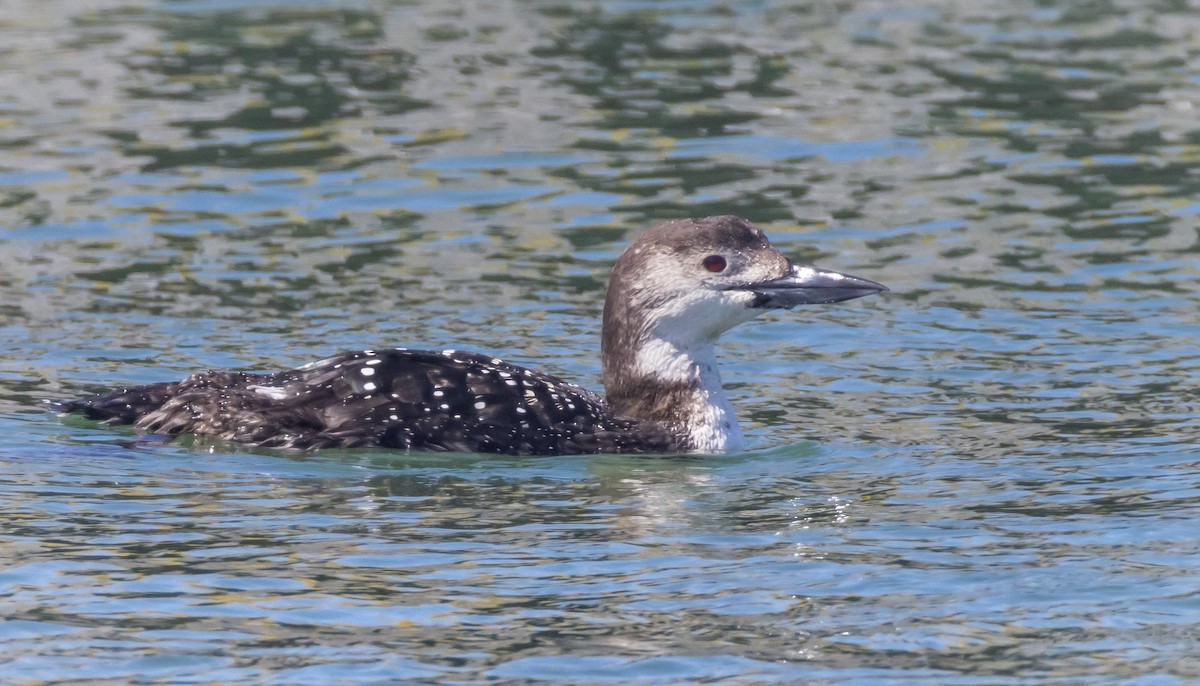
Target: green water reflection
x=987, y=475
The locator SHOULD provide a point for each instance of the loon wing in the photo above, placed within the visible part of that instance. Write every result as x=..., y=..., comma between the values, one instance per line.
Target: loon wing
x=430, y=400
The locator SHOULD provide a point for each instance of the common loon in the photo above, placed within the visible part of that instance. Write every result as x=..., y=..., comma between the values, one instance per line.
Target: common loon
x=673, y=292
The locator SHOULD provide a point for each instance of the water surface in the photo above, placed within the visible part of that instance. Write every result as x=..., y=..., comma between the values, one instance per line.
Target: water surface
x=987, y=475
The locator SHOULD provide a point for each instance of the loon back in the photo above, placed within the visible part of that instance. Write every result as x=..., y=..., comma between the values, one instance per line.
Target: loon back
x=430, y=400
x=673, y=292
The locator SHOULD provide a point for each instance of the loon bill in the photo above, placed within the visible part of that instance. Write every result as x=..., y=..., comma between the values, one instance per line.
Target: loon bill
x=673, y=292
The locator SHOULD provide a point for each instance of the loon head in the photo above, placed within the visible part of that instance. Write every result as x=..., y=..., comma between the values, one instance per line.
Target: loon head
x=690, y=280
x=682, y=284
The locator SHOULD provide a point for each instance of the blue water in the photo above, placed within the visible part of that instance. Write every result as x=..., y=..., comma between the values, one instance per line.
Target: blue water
x=987, y=475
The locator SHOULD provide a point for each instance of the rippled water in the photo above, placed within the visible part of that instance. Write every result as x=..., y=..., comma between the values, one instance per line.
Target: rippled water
x=988, y=475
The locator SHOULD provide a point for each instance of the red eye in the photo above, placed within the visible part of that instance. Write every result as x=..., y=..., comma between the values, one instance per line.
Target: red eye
x=714, y=263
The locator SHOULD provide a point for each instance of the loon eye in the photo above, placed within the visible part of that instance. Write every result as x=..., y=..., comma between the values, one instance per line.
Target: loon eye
x=714, y=263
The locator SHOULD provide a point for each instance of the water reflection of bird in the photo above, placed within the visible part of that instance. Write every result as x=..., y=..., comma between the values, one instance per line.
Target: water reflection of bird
x=673, y=292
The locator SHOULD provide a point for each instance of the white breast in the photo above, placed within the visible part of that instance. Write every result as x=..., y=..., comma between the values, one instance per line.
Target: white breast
x=709, y=419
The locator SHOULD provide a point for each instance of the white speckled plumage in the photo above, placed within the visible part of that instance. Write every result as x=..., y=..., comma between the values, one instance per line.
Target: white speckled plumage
x=672, y=294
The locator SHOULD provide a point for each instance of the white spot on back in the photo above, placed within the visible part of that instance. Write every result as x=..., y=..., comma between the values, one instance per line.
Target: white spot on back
x=272, y=392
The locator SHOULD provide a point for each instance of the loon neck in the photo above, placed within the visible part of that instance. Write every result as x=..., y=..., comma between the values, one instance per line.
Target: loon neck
x=661, y=381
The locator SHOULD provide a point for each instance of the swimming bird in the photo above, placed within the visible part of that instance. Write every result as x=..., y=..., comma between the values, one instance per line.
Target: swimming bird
x=673, y=292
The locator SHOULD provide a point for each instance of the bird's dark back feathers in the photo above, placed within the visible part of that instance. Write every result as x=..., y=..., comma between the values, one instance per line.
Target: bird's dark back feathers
x=420, y=399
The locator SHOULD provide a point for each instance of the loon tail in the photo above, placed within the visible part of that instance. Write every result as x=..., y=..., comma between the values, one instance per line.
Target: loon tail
x=119, y=406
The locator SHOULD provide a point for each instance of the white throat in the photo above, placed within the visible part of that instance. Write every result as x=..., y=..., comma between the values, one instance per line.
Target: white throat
x=708, y=419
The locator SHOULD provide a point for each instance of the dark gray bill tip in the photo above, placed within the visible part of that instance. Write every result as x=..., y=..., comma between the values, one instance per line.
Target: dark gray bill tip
x=811, y=286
